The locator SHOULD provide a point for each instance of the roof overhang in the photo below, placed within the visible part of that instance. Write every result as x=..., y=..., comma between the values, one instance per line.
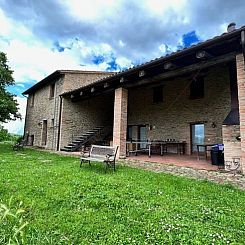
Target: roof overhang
x=221, y=49
x=57, y=75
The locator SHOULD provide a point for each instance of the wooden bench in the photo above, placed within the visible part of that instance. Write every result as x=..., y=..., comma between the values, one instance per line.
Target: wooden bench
x=19, y=145
x=100, y=153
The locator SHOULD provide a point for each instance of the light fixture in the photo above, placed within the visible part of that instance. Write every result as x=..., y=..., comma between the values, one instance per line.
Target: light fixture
x=141, y=73
x=122, y=80
x=106, y=85
x=169, y=66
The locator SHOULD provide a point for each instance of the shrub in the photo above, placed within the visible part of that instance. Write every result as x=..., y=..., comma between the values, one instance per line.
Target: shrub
x=6, y=136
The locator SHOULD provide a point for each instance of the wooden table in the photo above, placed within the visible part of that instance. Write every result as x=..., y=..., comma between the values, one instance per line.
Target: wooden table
x=206, y=149
x=180, y=146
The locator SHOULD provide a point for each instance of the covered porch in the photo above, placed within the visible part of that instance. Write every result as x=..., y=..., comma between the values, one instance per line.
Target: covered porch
x=191, y=97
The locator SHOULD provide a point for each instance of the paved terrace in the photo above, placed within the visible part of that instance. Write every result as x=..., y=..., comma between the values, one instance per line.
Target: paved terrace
x=181, y=165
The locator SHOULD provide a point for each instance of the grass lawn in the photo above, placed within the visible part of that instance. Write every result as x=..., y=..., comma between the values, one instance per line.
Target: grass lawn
x=56, y=202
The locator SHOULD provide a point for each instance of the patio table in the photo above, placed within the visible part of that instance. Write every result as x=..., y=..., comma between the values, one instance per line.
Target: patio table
x=180, y=146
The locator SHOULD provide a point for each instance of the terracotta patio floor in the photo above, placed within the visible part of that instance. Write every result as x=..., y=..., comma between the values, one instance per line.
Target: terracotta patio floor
x=178, y=160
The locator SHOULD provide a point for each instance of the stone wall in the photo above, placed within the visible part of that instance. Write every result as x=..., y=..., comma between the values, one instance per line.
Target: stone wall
x=232, y=149
x=46, y=108
x=78, y=80
x=81, y=116
x=43, y=108
x=172, y=118
x=241, y=97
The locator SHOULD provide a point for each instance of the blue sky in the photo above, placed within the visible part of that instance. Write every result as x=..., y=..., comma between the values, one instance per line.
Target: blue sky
x=40, y=37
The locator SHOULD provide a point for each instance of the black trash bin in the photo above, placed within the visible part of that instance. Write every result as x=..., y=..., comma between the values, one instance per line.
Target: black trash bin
x=217, y=155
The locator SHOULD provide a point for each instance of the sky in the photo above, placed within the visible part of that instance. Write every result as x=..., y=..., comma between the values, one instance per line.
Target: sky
x=40, y=37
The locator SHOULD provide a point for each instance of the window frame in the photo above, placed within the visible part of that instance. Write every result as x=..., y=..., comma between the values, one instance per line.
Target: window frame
x=197, y=89
x=52, y=91
x=157, y=94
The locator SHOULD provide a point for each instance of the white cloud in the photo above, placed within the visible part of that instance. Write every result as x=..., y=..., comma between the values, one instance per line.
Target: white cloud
x=91, y=9
x=123, y=62
x=159, y=7
x=127, y=31
x=17, y=126
x=5, y=25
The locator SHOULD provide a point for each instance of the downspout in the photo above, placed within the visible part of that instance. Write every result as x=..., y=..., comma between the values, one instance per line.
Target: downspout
x=24, y=134
x=243, y=45
x=60, y=115
x=55, y=88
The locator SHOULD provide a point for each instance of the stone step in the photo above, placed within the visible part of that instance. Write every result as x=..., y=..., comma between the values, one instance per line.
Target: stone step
x=77, y=141
x=82, y=139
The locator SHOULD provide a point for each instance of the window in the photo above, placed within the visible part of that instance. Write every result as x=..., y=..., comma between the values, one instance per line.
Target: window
x=158, y=94
x=197, y=88
x=52, y=89
x=52, y=123
x=197, y=136
x=31, y=100
x=129, y=133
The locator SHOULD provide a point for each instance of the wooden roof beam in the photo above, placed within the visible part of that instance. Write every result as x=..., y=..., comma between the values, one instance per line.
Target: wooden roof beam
x=185, y=70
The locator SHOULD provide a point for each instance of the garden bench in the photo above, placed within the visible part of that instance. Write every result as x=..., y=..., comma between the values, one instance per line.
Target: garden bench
x=19, y=145
x=100, y=153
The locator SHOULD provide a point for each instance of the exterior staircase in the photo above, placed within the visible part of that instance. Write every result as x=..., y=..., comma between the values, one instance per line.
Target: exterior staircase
x=89, y=137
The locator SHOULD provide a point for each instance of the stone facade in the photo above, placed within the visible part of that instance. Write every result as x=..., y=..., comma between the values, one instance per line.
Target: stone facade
x=232, y=150
x=172, y=118
x=41, y=107
x=83, y=78
x=81, y=116
x=241, y=98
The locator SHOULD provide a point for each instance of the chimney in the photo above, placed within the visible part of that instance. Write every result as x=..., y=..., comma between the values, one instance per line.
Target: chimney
x=231, y=27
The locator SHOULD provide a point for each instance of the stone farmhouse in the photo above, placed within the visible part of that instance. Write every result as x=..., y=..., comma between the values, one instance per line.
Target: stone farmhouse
x=195, y=95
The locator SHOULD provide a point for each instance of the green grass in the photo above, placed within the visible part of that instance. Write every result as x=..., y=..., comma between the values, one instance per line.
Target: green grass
x=64, y=204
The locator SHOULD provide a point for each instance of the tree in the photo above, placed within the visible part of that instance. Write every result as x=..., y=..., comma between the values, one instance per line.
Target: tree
x=8, y=104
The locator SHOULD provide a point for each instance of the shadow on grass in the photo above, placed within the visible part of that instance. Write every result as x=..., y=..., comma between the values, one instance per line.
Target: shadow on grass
x=98, y=168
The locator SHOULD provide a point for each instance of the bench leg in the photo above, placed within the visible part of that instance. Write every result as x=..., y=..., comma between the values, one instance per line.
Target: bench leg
x=82, y=161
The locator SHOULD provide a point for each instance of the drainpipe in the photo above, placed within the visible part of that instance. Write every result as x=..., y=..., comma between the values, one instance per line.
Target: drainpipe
x=243, y=45
x=60, y=115
x=24, y=134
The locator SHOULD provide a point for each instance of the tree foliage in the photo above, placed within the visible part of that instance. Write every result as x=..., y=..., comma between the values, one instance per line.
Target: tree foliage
x=6, y=136
x=8, y=104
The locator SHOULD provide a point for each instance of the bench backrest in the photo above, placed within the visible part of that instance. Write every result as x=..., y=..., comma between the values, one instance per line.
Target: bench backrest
x=102, y=151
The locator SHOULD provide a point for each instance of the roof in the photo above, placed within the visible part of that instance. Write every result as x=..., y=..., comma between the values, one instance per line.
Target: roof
x=58, y=74
x=225, y=39
x=156, y=64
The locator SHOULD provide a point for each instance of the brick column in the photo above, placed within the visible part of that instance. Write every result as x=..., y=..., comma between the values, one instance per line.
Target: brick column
x=241, y=99
x=120, y=121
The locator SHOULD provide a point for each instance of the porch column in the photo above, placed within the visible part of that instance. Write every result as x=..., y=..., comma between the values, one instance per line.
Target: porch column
x=241, y=99
x=120, y=121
